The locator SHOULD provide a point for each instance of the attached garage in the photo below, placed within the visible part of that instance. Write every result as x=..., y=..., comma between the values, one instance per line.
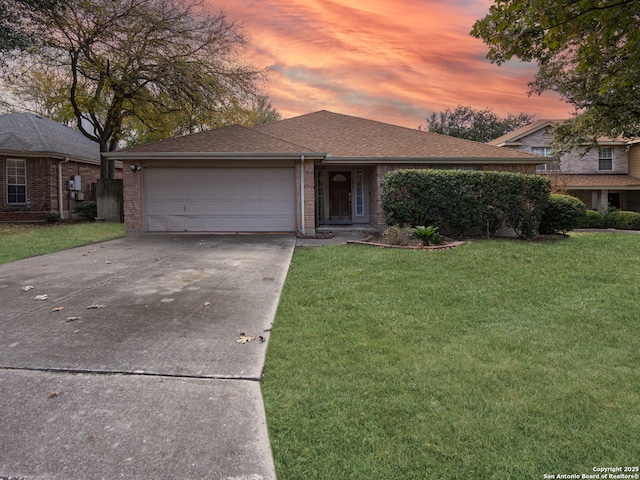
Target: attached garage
x=220, y=199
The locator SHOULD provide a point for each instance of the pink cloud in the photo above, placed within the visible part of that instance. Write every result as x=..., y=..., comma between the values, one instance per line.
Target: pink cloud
x=391, y=60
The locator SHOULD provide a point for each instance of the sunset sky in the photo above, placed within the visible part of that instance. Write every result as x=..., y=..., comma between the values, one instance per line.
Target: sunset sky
x=395, y=61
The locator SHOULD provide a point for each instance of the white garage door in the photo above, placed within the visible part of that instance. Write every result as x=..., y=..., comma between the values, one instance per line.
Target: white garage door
x=220, y=199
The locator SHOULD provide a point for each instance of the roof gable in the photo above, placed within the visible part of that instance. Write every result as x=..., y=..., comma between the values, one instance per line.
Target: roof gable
x=522, y=132
x=513, y=138
x=29, y=133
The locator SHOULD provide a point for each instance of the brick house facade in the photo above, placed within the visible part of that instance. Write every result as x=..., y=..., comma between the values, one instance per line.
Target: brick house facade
x=37, y=158
x=603, y=176
x=334, y=164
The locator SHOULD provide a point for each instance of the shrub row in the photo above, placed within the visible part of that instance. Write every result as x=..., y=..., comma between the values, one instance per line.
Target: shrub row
x=563, y=213
x=459, y=200
x=618, y=219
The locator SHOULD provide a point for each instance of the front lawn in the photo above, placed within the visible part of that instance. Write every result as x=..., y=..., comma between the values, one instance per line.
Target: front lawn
x=22, y=241
x=496, y=359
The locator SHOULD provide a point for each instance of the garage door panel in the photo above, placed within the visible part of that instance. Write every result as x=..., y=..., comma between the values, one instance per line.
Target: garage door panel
x=220, y=199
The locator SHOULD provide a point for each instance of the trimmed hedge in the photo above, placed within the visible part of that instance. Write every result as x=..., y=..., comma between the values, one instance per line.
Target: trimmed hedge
x=459, y=200
x=622, y=220
x=562, y=213
x=593, y=219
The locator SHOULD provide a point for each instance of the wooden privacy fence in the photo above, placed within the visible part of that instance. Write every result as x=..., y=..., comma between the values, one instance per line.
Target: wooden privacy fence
x=110, y=200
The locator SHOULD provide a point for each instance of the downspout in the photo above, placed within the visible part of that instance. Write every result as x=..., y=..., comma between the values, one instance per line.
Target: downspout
x=60, y=189
x=303, y=230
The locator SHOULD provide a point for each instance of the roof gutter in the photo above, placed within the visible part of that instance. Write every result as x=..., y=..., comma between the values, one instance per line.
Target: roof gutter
x=211, y=155
x=434, y=160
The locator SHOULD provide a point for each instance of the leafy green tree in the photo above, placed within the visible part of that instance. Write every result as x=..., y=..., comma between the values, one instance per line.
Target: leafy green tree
x=118, y=65
x=187, y=120
x=262, y=113
x=588, y=51
x=478, y=125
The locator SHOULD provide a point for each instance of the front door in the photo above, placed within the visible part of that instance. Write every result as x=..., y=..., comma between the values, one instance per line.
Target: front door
x=340, y=197
x=614, y=200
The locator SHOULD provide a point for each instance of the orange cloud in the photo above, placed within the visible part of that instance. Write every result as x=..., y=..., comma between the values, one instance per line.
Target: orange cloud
x=391, y=60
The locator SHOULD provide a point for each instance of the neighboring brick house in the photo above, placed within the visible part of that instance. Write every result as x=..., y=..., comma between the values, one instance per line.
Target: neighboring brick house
x=38, y=156
x=604, y=176
x=295, y=175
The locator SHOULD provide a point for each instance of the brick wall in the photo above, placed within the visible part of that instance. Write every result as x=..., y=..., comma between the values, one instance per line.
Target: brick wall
x=42, y=187
x=133, y=211
x=574, y=161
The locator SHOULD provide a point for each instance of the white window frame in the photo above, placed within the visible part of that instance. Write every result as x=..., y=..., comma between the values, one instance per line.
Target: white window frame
x=18, y=164
x=553, y=166
x=605, y=154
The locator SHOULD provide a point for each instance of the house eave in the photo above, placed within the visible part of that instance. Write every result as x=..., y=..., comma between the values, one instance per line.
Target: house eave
x=211, y=155
x=603, y=187
x=54, y=155
x=330, y=160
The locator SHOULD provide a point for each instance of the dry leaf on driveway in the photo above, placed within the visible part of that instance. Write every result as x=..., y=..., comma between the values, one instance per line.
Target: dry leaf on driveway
x=96, y=305
x=73, y=319
x=41, y=297
x=245, y=339
x=27, y=288
x=58, y=309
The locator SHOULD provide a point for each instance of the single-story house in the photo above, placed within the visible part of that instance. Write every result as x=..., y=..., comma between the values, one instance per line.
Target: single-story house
x=296, y=175
x=38, y=159
x=607, y=175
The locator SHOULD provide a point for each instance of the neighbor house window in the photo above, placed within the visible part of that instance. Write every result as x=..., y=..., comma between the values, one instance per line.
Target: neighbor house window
x=16, y=181
x=605, y=160
x=552, y=166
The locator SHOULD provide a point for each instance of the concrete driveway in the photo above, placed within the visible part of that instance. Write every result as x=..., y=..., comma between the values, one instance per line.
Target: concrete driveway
x=132, y=366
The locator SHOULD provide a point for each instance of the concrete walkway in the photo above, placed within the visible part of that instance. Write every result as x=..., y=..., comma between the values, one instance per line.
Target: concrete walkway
x=143, y=361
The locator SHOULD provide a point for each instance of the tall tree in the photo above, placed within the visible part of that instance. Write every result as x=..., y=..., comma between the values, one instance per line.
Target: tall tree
x=262, y=113
x=588, y=51
x=472, y=124
x=12, y=36
x=128, y=62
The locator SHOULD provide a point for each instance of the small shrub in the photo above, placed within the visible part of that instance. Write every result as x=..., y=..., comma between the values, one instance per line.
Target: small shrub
x=87, y=210
x=396, y=235
x=622, y=220
x=593, y=219
x=562, y=213
x=52, y=217
x=429, y=235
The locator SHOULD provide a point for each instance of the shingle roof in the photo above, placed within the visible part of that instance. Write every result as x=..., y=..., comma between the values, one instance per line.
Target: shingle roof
x=336, y=135
x=347, y=136
x=231, y=139
x=26, y=132
x=598, y=181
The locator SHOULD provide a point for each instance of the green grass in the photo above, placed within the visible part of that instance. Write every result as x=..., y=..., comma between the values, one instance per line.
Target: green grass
x=497, y=359
x=22, y=241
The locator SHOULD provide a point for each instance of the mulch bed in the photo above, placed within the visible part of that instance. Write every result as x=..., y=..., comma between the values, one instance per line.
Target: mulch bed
x=443, y=246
